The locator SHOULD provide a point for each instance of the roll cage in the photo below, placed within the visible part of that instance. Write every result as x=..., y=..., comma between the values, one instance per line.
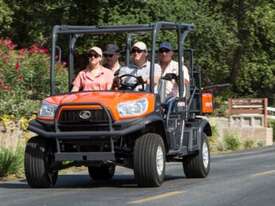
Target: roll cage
x=76, y=31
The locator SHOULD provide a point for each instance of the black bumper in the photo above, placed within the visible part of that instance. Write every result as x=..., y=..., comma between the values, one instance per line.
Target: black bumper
x=48, y=131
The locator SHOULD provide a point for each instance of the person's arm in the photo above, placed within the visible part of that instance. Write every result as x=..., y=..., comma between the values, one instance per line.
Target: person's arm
x=186, y=75
x=110, y=80
x=77, y=83
x=186, y=82
x=157, y=73
x=75, y=89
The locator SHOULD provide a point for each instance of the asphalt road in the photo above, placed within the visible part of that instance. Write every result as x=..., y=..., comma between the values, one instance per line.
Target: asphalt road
x=240, y=179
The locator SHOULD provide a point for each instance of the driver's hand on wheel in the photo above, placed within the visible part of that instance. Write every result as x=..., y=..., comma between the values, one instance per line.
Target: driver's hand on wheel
x=140, y=80
x=116, y=83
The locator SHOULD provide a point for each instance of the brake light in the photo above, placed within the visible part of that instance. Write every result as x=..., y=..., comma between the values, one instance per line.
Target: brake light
x=207, y=102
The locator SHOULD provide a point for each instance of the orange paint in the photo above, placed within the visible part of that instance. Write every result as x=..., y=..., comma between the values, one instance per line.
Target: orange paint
x=109, y=100
x=207, y=102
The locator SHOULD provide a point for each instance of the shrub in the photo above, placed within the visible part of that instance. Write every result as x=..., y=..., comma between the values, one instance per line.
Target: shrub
x=11, y=161
x=271, y=124
x=248, y=144
x=220, y=105
x=213, y=140
x=231, y=142
x=260, y=144
x=25, y=79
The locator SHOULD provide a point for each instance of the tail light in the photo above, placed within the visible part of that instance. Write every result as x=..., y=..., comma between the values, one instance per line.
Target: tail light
x=207, y=102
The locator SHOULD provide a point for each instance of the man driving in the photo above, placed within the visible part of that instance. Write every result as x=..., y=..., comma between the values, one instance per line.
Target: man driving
x=140, y=66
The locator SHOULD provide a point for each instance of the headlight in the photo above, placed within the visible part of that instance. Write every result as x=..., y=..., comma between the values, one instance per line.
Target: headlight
x=47, y=110
x=130, y=108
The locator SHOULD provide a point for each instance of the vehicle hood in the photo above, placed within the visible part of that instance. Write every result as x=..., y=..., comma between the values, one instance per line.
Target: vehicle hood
x=110, y=100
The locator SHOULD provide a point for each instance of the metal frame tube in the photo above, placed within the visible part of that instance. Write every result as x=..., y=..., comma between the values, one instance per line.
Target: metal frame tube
x=181, y=38
x=123, y=28
x=52, y=69
x=128, y=48
x=73, y=39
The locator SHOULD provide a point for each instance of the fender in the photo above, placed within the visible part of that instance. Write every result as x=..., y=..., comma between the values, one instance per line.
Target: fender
x=153, y=117
x=198, y=126
x=204, y=127
x=153, y=120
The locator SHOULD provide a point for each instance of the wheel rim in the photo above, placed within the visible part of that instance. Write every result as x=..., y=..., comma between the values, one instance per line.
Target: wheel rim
x=159, y=161
x=205, y=155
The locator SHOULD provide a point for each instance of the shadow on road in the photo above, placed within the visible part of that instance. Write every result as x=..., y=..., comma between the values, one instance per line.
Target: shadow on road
x=84, y=181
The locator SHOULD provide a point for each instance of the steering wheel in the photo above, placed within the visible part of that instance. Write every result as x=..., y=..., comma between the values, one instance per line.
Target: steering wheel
x=131, y=86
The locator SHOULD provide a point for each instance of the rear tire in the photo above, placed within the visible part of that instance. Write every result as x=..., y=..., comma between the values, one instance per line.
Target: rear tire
x=103, y=172
x=198, y=166
x=149, y=160
x=38, y=159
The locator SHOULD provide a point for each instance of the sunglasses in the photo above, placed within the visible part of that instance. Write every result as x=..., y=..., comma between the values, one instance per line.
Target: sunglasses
x=93, y=55
x=108, y=55
x=137, y=51
x=164, y=50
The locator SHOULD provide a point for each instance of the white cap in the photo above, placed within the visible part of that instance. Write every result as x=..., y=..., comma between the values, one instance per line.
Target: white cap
x=141, y=45
x=96, y=49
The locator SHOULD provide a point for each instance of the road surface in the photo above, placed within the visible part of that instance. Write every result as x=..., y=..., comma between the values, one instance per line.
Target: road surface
x=240, y=179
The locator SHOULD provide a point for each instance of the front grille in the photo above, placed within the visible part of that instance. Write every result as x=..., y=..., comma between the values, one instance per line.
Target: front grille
x=70, y=120
x=71, y=116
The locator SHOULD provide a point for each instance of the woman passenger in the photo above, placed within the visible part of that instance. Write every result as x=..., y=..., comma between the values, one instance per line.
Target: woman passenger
x=95, y=76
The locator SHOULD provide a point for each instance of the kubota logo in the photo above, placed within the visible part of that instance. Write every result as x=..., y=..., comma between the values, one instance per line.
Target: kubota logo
x=85, y=114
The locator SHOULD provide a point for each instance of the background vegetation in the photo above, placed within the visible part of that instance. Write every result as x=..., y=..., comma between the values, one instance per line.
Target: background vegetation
x=234, y=40
x=24, y=78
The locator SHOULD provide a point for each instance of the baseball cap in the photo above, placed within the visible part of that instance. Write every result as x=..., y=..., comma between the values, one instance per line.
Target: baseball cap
x=111, y=49
x=165, y=45
x=141, y=45
x=96, y=49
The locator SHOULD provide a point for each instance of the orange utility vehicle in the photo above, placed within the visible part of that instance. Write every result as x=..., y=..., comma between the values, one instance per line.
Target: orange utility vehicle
x=134, y=128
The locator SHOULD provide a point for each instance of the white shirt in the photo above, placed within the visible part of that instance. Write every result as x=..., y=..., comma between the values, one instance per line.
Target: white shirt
x=171, y=87
x=143, y=71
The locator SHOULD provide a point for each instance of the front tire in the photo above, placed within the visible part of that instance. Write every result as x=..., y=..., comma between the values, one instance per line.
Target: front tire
x=38, y=159
x=103, y=172
x=149, y=160
x=198, y=166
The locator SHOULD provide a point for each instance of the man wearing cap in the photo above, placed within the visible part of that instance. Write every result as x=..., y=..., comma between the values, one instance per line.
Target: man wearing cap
x=168, y=65
x=95, y=76
x=111, y=56
x=141, y=65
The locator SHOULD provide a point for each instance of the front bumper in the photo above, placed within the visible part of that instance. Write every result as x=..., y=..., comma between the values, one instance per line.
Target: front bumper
x=49, y=131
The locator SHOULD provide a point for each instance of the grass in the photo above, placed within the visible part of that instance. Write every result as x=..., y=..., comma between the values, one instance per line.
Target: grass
x=232, y=142
x=271, y=124
x=11, y=161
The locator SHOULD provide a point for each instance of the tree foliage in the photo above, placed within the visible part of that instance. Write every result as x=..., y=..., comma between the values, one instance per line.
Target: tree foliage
x=234, y=39
x=5, y=16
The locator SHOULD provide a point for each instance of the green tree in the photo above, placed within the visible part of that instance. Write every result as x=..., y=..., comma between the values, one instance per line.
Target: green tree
x=5, y=17
x=234, y=40
x=252, y=65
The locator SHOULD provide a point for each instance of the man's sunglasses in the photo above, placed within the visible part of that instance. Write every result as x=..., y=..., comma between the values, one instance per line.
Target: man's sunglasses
x=137, y=51
x=93, y=55
x=108, y=55
x=164, y=50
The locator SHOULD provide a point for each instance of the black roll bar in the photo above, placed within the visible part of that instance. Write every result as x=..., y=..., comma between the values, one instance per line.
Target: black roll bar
x=74, y=31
